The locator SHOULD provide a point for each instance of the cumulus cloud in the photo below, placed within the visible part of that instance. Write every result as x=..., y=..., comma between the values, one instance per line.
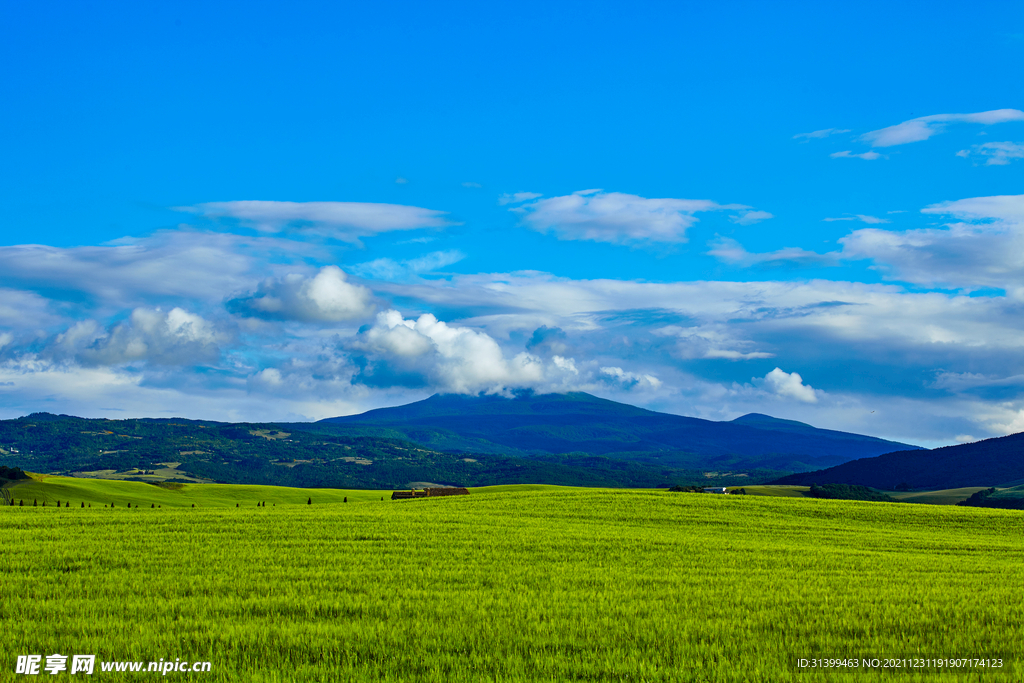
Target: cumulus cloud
x=548, y=340
x=395, y=271
x=848, y=154
x=857, y=312
x=750, y=217
x=344, y=221
x=453, y=359
x=631, y=379
x=894, y=337
x=924, y=127
x=326, y=297
x=995, y=153
x=175, y=337
x=517, y=197
x=788, y=385
x=823, y=133
x=616, y=217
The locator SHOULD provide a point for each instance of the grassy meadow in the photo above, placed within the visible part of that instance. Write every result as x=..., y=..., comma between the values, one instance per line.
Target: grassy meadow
x=101, y=492
x=507, y=584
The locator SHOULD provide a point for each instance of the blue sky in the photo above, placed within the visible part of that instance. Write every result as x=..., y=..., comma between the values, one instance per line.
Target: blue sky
x=274, y=212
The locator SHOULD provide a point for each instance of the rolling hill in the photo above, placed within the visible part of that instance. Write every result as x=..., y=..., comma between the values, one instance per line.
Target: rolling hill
x=530, y=425
x=185, y=451
x=992, y=462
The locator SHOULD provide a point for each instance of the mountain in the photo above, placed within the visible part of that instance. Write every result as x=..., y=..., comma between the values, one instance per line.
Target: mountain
x=531, y=425
x=992, y=462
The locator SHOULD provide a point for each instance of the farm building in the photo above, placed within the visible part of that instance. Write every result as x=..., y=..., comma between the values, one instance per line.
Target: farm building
x=715, y=489
x=429, y=493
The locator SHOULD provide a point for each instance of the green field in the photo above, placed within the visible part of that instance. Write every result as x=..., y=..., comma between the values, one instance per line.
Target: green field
x=101, y=492
x=509, y=584
x=777, y=491
x=941, y=497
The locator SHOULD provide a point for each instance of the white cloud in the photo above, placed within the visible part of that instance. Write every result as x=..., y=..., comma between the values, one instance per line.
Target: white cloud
x=788, y=385
x=517, y=197
x=180, y=263
x=566, y=364
x=924, y=127
x=401, y=181
x=727, y=354
x=713, y=341
x=344, y=221
x=26, y=311
x=326, y=297
x=751, y=217
x=1000, y=207
x=176, y=337
x=847, y=154
x=389, y=269
x=872, y=220
x=880, y=324
x=121, y=392
x=985, y=250
x=616, y=217
x=453, y=359
x=632, y=379
x=730, y=251
x=995, y=153
x=893, y=336
x=824, y=133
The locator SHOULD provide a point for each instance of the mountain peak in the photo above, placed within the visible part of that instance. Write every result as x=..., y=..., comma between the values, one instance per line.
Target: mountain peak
x=529, y=423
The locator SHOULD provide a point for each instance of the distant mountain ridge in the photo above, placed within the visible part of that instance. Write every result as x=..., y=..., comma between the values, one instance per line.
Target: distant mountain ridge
x=992, y=462
x=179, y=450
x=530, y=424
